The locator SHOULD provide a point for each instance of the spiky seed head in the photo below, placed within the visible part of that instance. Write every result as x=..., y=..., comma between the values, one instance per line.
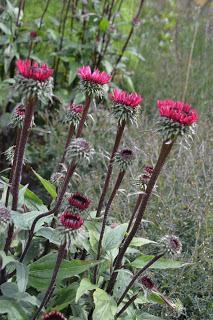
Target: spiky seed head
x=124, y=158
x=79, y=149
x=172, y=244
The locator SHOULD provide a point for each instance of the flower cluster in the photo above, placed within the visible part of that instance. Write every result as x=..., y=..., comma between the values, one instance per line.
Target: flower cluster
x=125, y=105
x=172, y=244
x=34, y=79
x=54, y=315
x=142, y=180
x=177, y=118
x=92, y=83
x=72, y=114
x=124, y=158
x=79, y=149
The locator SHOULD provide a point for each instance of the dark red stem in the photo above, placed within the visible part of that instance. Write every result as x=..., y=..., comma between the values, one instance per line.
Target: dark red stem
x=165, y=150
x=127, y=304
x=69, y=137
x=118, y=137
x=84, y=116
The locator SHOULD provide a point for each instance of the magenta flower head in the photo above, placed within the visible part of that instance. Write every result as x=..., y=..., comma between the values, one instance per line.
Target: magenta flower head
x=79, y=202
x=172, y=244
x=125, y=105
x=54, y=315
x=92, y=83
x=124, y=158
x=177, y=118
x=147, y=283
x=79, y=149
x=33, y=35
x=73, y=114
x=71, y=221
x=34, y=79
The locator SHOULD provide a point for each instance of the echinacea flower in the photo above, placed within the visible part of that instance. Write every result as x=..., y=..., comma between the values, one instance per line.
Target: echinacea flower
x=79, y=201
x=147, y=282
x=54, y=315
x=177, y=118
x=125, y=105
x=34, y=79
x=79, y=149
x=71, y=221
x=73, y=114
x=172, y=244
x=124, y=158
x=92, y=83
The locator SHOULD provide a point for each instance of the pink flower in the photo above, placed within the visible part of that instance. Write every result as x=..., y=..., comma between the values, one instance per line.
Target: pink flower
x=70, y=220
x=148, y=169
x=33, y=34
x=34, y=70
x=127, y=99
x=177, y=111
x=79, y=201
x=77, y=108
x=97, y=77
x=54, y=315
x=20, y=111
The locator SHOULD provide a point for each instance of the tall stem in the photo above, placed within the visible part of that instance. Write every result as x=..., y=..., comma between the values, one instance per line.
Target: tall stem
x=84, y=116
x=118, y=137
x=165, y=150
x=108, y=206
x=21, y=6
x=129, y=302
x=44, y=12
x=61, y=254
x=138, y=202
x=138, y=274
x=69, y=138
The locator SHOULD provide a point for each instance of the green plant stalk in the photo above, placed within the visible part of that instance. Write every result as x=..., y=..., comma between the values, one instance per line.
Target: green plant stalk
x=138, y=274
x=165, y=150
x=61, y=254
x=108, y=206
x=120, y=130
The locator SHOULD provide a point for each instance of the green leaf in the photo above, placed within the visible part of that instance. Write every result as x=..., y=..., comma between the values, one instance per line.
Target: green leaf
x=12, y=309
x=113, y=237
x=138, y=242
x=84, y=287
x=104, y=24
x=25, y=220
x=47, y=185
x=50, y=234
x=5, y=29
x=105, y=306
x=162, y=263
x=40, y=271
x=6, y=259
x=21, y=276
x=65, y=296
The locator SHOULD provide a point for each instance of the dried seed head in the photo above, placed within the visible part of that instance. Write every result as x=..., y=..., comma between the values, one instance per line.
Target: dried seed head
x=79, y=149
x=92, y=83
x=172, y=244
x=54, y=315
x=147, y=282
x=142, y=180
x=34, y=80
x=125, y=105
x=79, y=202
x=124, y=158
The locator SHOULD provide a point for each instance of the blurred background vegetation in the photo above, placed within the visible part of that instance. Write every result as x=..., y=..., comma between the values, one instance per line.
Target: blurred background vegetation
x=161, y=49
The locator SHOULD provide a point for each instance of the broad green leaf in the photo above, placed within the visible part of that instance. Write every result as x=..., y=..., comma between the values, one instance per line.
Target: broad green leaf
x=104, y=24
x=4, y=28
x=21, y=276
x=40, y=271
x=138, y=242
x=105, y=306
x=162, y=263
x=141, y=316
x=6, y=259
x=65, y=296
x=50, y=234
x=113, y=237
x=12, y=309
x=84, y=287
x=124, y=277
x=25, y=220
x=47, y=185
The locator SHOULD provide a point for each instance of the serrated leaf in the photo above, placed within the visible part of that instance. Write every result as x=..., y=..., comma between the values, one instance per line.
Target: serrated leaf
x=51, y=189
x=84, y=287
x=162, y=263
x=105, y=306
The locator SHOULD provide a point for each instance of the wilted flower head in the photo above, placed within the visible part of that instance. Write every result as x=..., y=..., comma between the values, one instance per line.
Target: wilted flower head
x=148, y=169
x=5, y=215
x=124, y=158
x=176, y=118
x=79, y=201
x=172, y=244
x=71, y=221
x=136, y=21
x=125, y=105
x=17, y=116
x=143, y=179
x=54, y=315
x=34, y=79
x=92, y=82
x=73, y=114
x=79, y=149
x=147, y=282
